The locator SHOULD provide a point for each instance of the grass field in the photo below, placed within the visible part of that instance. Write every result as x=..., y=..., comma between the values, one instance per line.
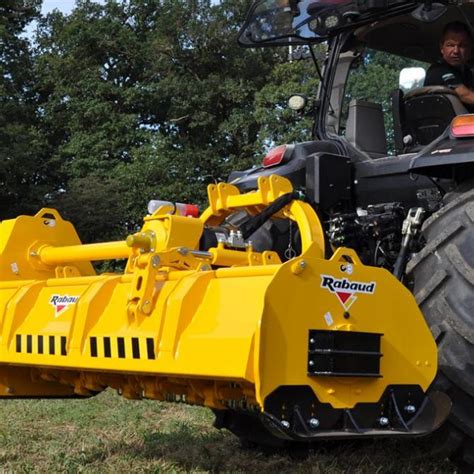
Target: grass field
x=108, y=433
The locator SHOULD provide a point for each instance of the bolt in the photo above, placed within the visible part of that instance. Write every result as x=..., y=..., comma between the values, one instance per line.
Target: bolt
x=384, y=421
x=285, y=424
x=311, y=363
x=313, y=423
x=146, y=307
x=347, y=315
x=155, y=261
x=183, y=251
x=410, y=409
x=312, y=341
x=33, y=254
x=298, y=267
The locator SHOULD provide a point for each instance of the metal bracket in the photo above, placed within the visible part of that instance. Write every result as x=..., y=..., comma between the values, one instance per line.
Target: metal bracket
x=146, y=269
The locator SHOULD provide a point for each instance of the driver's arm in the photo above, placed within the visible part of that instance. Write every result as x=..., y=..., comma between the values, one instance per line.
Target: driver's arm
x=465, y=94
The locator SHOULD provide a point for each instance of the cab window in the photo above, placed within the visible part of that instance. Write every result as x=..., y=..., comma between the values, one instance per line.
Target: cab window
x=372, y=80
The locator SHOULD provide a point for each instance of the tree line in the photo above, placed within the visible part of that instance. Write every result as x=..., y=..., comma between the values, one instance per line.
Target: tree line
x=115, y=104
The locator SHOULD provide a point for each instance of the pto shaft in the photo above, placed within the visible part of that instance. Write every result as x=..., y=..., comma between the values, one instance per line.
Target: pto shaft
x=83, y=253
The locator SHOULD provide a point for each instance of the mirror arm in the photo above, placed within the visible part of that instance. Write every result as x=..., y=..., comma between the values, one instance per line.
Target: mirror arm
x=315, y=61
x=320, y=75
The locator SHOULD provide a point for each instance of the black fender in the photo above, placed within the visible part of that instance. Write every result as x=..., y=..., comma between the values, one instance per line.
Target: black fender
x=293, y=167
x=446, y=157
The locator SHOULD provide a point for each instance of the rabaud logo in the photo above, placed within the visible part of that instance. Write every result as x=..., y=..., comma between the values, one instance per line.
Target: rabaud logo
x=346, y=290
x=61, y=303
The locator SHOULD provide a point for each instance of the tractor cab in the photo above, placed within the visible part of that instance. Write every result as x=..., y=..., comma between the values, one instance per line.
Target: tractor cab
x=370, y=112
x=382, y=140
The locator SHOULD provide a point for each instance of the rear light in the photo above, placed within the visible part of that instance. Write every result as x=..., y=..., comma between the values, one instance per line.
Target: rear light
x=462, y=126
x=274, y=156
x=188, y=210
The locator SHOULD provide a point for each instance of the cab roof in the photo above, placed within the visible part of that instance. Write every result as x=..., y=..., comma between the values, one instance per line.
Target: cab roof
x=397, y=27
x=408, y=37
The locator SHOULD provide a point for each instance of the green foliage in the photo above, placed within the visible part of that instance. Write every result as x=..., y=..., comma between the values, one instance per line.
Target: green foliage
x=156, y=96
x=92, y=203
x=24, y=174
x=278, y=122
x=132, y=100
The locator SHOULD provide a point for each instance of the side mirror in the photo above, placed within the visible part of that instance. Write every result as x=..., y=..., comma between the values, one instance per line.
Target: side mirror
x=411, y=78
x=297, y=102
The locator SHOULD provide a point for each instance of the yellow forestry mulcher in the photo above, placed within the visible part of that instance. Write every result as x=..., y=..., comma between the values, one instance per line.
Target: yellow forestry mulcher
x=345, y=311
x=305, y=349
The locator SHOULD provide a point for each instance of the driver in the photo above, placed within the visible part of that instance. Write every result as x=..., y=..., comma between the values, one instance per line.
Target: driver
x=452, y=70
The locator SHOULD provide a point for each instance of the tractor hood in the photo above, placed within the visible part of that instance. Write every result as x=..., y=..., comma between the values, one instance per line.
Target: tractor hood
x=295, y=22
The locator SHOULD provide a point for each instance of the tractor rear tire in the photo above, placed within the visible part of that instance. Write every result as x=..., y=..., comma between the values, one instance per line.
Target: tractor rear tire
x=443, y=279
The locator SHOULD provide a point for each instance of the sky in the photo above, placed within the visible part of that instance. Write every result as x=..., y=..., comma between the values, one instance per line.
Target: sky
x=63, y=5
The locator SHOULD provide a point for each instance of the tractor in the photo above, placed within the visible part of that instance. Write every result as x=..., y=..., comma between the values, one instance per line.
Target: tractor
x=410, y=210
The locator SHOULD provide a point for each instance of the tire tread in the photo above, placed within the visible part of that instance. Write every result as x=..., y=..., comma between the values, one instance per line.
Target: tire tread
x=444, y=289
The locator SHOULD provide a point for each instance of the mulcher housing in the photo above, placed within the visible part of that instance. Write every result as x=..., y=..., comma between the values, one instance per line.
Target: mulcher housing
x=231, y=329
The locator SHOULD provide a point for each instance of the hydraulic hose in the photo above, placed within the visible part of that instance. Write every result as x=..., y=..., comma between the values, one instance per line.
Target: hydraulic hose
x=255, y=222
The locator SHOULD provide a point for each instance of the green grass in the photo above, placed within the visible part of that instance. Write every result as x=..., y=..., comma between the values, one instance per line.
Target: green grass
x=110, y=434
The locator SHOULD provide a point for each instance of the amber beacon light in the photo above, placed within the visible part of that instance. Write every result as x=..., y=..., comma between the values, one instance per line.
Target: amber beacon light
x=462, y=126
